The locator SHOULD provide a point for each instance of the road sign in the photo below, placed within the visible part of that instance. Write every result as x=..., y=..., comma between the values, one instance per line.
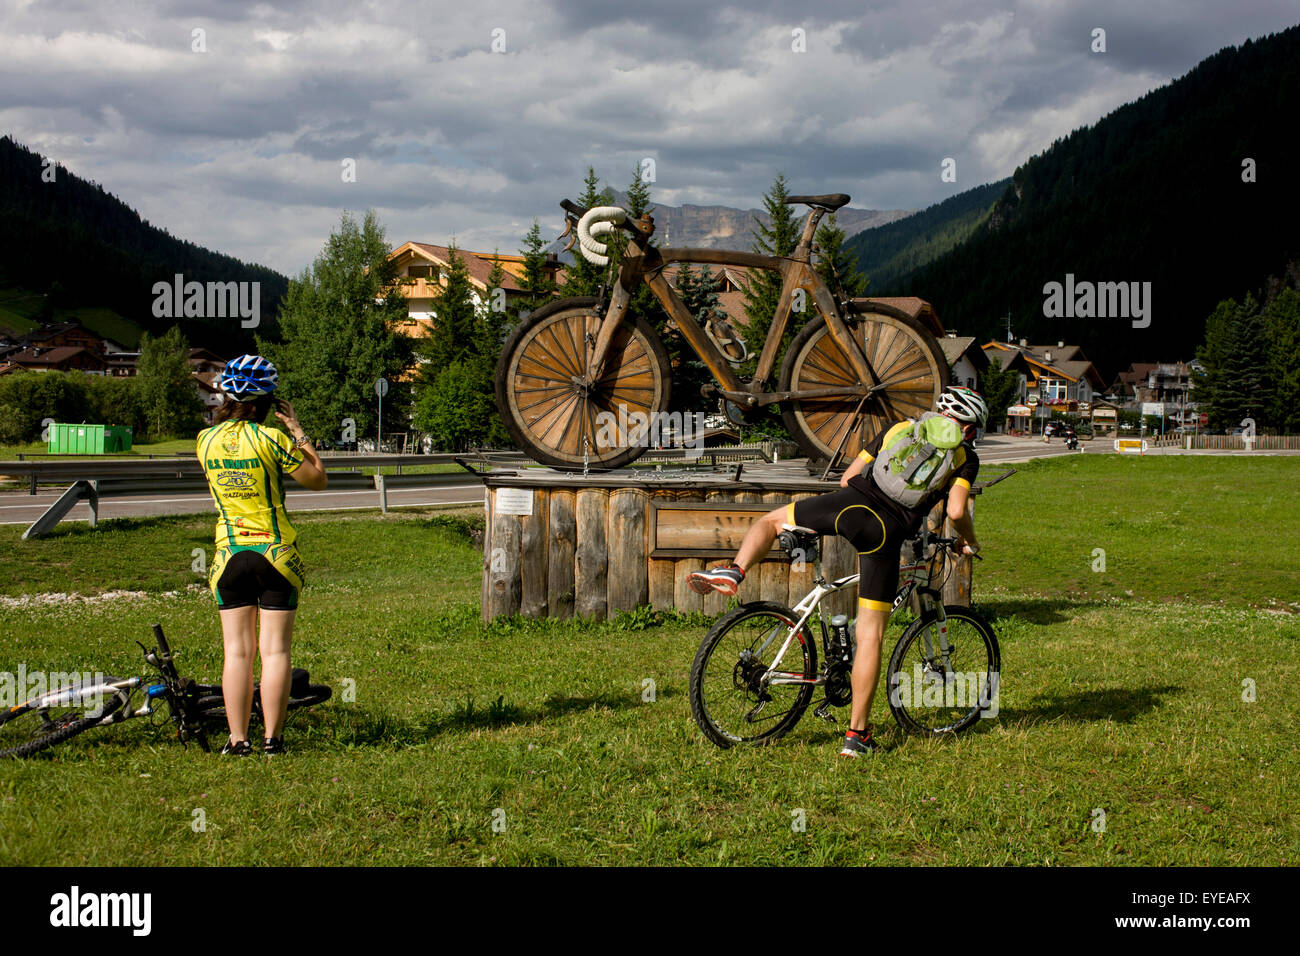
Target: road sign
x=381, y=387
x=1131, y=446
x=1205, y=418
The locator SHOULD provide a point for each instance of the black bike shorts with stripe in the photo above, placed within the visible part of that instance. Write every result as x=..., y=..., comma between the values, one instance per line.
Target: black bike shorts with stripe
x=874, y=530
x=249, y=579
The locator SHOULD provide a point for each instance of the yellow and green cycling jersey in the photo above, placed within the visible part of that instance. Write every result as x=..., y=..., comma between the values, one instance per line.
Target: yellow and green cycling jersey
x=245, y=465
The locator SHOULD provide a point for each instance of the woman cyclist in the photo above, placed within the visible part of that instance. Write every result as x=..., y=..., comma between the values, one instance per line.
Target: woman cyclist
x=876, y=525
x=256, y=573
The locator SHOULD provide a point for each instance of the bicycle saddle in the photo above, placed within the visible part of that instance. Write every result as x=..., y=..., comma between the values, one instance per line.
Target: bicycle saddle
x=795, y=538
x=829, y=201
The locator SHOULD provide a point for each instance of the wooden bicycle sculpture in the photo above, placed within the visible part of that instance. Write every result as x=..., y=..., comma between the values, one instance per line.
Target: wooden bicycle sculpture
x=576, y=372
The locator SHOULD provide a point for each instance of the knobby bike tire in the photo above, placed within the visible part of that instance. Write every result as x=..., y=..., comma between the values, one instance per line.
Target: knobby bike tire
x=66, y=729
x=707, y=702
x=900, y=350
x=213, y=706
x=991, y=658
x=549, y=415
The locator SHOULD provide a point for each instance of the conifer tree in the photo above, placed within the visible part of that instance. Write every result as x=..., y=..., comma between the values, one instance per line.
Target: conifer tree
x=581, y=277
x=764, y=287
x=835, y=261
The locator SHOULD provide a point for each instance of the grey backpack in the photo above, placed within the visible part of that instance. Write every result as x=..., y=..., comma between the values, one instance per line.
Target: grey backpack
x=919, y=460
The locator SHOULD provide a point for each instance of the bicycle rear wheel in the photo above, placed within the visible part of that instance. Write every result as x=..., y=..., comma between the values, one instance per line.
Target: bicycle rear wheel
x=30, y=728
x=728, y=698
x=553, y=416
x=907, y=362
x=929, y=699
x=212, y=705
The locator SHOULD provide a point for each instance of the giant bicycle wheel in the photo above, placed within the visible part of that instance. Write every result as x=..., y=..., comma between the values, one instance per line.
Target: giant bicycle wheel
x=32, y=727
x=553, y=416
x=907, y=362
x=730, y=699
x=930, y=698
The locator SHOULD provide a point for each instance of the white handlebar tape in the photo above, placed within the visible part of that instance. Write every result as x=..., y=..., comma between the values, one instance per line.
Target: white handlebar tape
x=598, y=221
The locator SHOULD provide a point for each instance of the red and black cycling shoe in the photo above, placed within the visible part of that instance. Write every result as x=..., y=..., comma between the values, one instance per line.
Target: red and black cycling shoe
x=725, y=578
x=858, y=743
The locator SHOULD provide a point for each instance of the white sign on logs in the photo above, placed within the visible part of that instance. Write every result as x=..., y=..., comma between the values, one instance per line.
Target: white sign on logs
x=514, y=501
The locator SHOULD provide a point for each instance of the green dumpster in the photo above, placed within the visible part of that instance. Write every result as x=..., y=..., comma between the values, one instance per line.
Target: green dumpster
x=88, y=439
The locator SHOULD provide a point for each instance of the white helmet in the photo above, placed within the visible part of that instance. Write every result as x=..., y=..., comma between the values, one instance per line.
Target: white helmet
x=963, y=404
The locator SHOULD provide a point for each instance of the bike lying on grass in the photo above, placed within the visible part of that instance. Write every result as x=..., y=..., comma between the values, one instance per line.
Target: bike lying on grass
x=61, y=714
x=754, y=674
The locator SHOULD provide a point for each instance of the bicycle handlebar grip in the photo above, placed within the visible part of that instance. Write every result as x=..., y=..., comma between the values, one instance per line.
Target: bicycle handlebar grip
x=162, y=641
x=599, y=221
x=569, y=205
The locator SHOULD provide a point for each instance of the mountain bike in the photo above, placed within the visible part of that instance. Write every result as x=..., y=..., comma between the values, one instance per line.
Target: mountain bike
x=576, y=375
x=756, y=670
x=65, y=712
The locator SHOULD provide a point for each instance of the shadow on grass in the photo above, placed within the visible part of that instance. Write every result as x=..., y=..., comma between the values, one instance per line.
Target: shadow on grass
x=355, y=727
x=1120, y=704
x=82, y=529
x=1041, y=611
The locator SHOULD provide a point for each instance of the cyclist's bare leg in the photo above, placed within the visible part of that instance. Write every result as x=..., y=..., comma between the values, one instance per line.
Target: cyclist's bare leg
x=758, y=539
x=274, y=638
x=866, y=664
x=239, y=636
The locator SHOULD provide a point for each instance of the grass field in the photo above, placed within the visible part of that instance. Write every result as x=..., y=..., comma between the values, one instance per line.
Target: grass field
x=1122, y=694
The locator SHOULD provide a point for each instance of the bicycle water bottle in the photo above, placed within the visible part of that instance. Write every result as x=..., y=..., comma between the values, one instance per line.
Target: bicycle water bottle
x=840, y=628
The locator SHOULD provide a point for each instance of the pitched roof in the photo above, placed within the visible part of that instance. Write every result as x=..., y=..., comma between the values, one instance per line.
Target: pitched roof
x=954, y=347
x=29, y=357
x=1004, y=358
x=479, y=264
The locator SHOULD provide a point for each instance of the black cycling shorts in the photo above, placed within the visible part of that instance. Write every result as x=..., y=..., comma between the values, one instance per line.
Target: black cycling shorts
x=249, y=579
x=875, y=532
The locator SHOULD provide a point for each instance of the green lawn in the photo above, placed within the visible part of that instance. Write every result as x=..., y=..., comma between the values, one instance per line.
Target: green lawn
x=169, y=446
x=1131, y=705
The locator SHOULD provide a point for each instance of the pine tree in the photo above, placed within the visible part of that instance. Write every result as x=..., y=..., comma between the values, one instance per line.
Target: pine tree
x=1234, y=384
x=836, y=261
x=763, y=290
x=455, y=318
x=341, y=331
x=496, y=319
x=1208, y=389
x=581, y=277
x=1282, y=320
x=1245, y=385
x=455, y=401
x=539, y=286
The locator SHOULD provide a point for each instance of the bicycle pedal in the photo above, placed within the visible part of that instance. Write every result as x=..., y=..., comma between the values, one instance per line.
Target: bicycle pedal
x=824, y=712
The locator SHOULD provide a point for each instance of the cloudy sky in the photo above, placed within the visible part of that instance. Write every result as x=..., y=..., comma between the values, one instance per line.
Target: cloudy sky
x=469, y=119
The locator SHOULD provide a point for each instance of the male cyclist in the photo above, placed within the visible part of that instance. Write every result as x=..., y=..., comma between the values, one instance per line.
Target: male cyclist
x=256, y=572
x=876, y=524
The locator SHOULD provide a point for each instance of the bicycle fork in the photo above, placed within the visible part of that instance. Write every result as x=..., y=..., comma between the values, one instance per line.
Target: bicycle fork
x=941, y=662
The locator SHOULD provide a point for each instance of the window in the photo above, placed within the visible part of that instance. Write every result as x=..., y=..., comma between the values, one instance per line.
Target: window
x=1052, y=389
x=420, y=272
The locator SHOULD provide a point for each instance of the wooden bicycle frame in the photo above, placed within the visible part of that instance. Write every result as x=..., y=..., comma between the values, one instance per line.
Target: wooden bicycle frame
x=645, y=263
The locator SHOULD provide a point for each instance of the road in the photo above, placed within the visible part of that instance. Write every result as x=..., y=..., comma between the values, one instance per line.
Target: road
x=22, y=508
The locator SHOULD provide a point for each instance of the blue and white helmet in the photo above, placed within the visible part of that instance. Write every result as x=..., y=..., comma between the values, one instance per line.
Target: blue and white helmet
x=248, y=377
